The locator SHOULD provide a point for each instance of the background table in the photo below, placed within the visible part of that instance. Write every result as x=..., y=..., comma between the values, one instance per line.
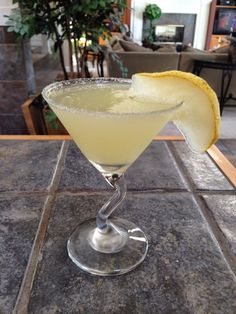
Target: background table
x=183, y=202
x=227, y=69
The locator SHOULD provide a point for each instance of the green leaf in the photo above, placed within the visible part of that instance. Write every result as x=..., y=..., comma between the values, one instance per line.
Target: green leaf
x=10, y=29
x=102, y=3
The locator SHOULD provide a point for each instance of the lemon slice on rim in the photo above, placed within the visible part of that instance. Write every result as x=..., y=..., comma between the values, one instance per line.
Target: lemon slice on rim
x=199, y=116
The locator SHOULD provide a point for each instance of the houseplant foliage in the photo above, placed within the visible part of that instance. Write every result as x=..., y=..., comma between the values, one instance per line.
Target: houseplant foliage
x=152, y=12
x=71, y=20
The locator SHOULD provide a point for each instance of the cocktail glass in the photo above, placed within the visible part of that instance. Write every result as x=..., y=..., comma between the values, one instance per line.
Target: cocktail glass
x=111, y=131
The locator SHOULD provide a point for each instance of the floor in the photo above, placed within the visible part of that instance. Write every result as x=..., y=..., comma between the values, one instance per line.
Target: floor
x=47, y=68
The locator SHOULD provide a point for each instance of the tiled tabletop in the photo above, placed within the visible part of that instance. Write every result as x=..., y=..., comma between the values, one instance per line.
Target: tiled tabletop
x=182, y=201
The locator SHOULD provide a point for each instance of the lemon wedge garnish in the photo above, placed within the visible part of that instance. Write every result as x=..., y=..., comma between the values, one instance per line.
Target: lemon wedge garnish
x=199, y=116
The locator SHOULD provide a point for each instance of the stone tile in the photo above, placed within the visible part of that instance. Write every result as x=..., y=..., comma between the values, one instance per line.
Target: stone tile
x=18, y=225
x=223, y=208
x=79, y=174
x=184, y=272
x=154, y=169
x=13, y=94
x=12, y=65
x=228, y=148
x=12, y=124
x=27, y=165
x=202, y=169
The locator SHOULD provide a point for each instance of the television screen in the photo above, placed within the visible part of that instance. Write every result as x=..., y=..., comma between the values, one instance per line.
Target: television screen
x=225, y=22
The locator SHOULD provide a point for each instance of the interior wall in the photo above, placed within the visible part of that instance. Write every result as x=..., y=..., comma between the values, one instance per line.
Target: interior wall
x=199, y=7
x=5, y=9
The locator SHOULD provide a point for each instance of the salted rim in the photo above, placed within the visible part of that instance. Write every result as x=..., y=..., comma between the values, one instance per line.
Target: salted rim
x=84, y=81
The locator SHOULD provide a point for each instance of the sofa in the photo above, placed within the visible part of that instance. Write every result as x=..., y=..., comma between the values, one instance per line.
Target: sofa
x=158, y=61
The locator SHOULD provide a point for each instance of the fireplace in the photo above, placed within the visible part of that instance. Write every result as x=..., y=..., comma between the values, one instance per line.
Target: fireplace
x=169, y=33
x=181, y=25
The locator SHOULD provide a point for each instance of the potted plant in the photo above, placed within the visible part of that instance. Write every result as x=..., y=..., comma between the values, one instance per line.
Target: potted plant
x=152, y=12
x=68, y=20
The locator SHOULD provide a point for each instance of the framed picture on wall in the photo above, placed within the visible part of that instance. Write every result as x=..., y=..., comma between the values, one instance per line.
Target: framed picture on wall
x=225, y=22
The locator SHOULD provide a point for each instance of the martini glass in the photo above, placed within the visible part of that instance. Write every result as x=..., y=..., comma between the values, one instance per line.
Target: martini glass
x=112, y=127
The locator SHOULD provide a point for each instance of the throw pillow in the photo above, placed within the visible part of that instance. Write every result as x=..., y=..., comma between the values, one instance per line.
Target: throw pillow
x=224, y=49
x=117, y=47
x=115, y=36
x=132, y=46
x=187, y=48
x=127, y=38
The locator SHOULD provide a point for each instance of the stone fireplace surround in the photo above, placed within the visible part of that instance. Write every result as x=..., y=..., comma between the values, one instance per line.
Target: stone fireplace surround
x=188, y=20
x=199, y=8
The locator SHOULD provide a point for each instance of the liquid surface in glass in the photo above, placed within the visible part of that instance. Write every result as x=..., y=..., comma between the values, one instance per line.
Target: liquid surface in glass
x=110, y=125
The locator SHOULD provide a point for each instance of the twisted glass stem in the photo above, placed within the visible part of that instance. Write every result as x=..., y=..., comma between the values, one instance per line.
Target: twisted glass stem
x=117, y=182
x=108, y=237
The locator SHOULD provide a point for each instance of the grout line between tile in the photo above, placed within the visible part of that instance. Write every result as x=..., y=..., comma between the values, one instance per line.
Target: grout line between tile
x=217, y=235
x=101, y=192
x=23, y=193
x=182, y=170
x=214, y=229
x=58, y=170
x=25, y=289
x=21, y=306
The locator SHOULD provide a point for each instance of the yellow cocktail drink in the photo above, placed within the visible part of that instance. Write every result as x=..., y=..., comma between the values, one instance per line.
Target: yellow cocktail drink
x=112, y=121
x=110, y=125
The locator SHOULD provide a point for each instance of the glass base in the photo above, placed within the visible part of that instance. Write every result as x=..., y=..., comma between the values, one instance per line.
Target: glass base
x=127, y=250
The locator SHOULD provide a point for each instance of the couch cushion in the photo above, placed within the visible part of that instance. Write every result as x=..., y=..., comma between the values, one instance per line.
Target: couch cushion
x=142, y=62
x=187, y=59
x=212, y=76
x=132, y=46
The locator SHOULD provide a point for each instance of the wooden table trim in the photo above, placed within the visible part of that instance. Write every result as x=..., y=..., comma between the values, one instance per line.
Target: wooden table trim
x=221, y=161
x=36, y=137
x=68, y=137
